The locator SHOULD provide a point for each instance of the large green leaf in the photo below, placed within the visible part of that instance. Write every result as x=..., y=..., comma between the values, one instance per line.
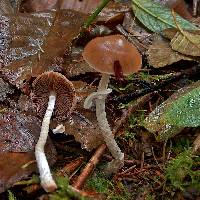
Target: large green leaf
x=185, y=111
x=156, y=17
x=181, y=110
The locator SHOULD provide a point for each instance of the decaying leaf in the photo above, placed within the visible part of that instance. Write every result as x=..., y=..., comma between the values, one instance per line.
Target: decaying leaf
x=36, y=43
x=160, y=53
x=114, y=11
x=156, y=17
x=85, y=6
x=18, y=136
x=5, y=7
x=185, y=107
x=179, y=111
x=12, y=168
x=140, y=35
x=185, y=42
x=5, y=90
x=83, y=126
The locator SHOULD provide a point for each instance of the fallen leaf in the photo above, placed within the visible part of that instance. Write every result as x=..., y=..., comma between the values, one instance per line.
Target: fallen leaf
x=36, y=43
x=11, y=168
x=5, y=90
x=156, y=17
x=83, y=126
x=85, y=6
x=185, y=106
x=179, y=111
x=5, y=7
x=18, y=136
x=160, y=54
x=185, y=42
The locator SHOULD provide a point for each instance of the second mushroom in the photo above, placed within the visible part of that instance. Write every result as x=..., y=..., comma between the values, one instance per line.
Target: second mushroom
x=110, y=55
x=50, y=89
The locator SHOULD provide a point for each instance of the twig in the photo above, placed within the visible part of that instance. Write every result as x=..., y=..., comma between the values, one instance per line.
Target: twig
x=89, y=167
x=70, y=167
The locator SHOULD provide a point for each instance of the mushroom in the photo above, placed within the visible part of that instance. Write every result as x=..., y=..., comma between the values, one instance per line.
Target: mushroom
x=110, y=55
x=50, y=89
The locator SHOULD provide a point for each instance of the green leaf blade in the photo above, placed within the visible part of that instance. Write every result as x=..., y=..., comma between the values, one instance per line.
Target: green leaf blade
x=156, y=17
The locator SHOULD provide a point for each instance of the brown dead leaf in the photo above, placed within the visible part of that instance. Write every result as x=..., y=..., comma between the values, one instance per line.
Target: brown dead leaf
x=11, y=168
x=83, y=126
x=19, y=133
x=5, y=7
x=113, y=12
x=136, y=33
x=160, y=53
x=38, y=5
x=85, y=6
x=75, y=64
x=36, y=43
x=5, y=90
x=185, y=42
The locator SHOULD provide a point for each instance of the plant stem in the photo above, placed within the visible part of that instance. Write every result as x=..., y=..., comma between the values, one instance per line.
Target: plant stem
x=46, y=179
x=94, y=15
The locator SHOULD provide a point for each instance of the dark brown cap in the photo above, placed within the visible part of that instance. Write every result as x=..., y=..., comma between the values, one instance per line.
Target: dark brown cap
x=61, y=86
x=101, y=53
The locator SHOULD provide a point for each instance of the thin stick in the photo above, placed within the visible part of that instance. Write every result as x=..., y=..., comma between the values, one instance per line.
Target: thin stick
x=89, y=167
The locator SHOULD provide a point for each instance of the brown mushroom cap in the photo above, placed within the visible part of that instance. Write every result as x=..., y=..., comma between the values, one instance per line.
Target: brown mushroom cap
x=64, y=90
x=101, y=52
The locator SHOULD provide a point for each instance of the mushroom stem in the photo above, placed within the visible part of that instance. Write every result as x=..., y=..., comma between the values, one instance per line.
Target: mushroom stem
x=47, y=181
x=106, y=130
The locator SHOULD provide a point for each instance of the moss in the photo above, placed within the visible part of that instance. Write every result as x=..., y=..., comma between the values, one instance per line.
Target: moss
x=11, y=196
x=100, y=183
x=63, y=192
x=181, y=171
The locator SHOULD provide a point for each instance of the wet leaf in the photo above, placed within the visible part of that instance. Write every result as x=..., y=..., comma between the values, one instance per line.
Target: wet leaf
x=36, y=43
x=38, y=5
x=83, y=126
x=185, y=109
x=179, y=111
x=18, y=136
x=85, y=6
x=5, y=90
x=185, y=42
x=5, y=7
x=11, y=168
x=160, y=53
x=156, y=17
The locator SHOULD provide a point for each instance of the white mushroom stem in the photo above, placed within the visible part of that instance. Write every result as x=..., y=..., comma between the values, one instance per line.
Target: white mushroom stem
x=100, y=97
x=46, y=178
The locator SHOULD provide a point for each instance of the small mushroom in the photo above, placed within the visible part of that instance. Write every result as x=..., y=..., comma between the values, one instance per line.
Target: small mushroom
x=110, y=55
x=50, y=89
